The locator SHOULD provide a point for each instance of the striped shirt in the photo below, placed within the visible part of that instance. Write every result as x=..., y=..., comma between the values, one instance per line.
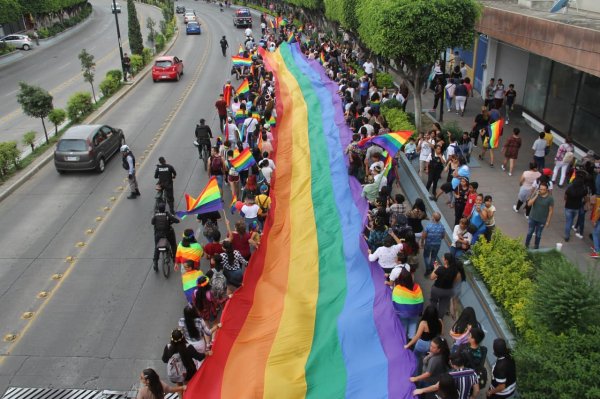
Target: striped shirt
x=465, y=379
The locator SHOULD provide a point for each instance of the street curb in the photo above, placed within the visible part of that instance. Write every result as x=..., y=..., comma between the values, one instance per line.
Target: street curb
x=44, y=159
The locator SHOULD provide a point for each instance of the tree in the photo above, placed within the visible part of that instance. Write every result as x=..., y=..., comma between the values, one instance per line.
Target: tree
x=57, y=116
x=88, y=66
x=414, y=33
x=136, y=43
x=10, y=11
x=29, y=139
x=36, y=102
x=150, y=24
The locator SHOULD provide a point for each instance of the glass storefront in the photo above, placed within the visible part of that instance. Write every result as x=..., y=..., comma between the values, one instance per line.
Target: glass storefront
x=565, y=98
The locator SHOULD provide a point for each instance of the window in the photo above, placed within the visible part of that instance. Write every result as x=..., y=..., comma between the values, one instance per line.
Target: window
x=561, y=96
x=586, y=123
x=71, y=145
x=536, y=85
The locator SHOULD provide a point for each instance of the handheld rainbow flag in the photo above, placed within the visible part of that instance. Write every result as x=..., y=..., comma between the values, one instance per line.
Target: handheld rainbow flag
x=233, y=202
x=243, y=161
x=241, y=61
x=271, y=24
x=241, y=50
x=256, y=116
x=239, y=116
x=291, y=37
x=244, y=88
x=495, y=131
x=227, y=91
x=209, y=200
x=283, y=22
x=573, y=176
x=387, y=166
x=278, y=21
x=188, y=279
x=322, y=59
x=313, y=319
x=391, y=142
x=272, y=121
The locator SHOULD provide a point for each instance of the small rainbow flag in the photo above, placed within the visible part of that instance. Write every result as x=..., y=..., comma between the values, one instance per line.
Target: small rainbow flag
x=322, y=59
x=291, y=37
x=244, y=88
x=272, y=121
x=278, y=21
x=233, y=202
x=495, y=131
x=243, y=161
x=193, y=252
x=209, y=200
x=271, y=24
x=573, y=176
x=283, y=22
x=188, y=280
x=387, y=166
x=241, y=50
x=239, y=116
x=256, y=116
x=241, y=61
x=391, y=142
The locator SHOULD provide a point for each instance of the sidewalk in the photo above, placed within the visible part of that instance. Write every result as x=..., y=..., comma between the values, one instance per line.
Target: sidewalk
x=504, y=188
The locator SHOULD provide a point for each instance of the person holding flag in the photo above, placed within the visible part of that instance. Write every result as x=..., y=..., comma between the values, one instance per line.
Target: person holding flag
x=228, y=92
x=231, y=132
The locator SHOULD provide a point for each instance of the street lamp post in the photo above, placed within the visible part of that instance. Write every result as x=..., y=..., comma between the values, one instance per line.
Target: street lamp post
x=114, y=10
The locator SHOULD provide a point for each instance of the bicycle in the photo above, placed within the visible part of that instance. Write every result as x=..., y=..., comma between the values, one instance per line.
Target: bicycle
x=203, y=153
x=159, y=198
x=165, y=256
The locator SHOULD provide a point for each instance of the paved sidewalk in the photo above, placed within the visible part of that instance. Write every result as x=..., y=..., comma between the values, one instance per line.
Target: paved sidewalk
x=504, y=188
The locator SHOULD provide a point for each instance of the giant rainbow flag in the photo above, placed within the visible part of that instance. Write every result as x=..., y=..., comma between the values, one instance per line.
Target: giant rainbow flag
x=314, y=318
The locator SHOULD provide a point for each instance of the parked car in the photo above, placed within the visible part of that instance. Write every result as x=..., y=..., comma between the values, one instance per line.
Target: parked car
x=193, y=28
x=180, y=9
x=189, y=16
x=18, y=41
x=242, y=17
x=167, y=67
x=87, y=147
x=115, y=8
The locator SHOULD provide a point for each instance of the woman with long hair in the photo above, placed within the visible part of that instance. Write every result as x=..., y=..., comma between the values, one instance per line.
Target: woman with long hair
x=187, y=357
x=195, y=330
x=430, y=326
x=442, y=289
x=233, y=176
x=152, y=387
x=239, y=238
x=203, y=302
x=387, y=254
x=408, y=301
x=461, y=330
x=434, y=364
x=188, y=249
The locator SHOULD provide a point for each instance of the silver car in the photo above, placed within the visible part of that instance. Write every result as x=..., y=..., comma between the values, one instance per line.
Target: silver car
x=87, y=147
x=18, y=41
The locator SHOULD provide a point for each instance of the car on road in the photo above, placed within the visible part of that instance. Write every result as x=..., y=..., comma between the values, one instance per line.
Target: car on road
x=193, y=28
x=87, y=147
x=167, y=67
x=115, y=8
x=189, y=15
x=180, y=9
x=19, y=41
x=242, y=17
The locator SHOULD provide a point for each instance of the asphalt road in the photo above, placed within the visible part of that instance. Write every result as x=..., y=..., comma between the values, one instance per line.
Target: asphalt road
x=55, y=65
x=109, y=315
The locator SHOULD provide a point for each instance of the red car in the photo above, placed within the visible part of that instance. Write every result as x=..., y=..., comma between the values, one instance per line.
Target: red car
x=167, y=67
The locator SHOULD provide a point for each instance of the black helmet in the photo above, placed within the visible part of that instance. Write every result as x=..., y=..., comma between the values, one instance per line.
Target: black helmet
x=223, y=36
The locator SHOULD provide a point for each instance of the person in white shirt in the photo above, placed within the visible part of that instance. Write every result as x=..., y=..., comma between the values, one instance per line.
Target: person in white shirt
x=449, y=89
x=424, y=148
x=250, y=124
x=369, y=67
x=266, y=170
x=387, y=254
x=231, y=131
x=248, y=32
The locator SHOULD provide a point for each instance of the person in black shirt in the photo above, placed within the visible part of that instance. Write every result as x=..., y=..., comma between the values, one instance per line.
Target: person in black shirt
x=504, y=372
x=186, y=351
x=165, y=174
x=162, y=222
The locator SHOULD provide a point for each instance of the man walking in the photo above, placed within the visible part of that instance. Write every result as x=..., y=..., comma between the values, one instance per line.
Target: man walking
x=431, y=240
x=129, y=166
x=221, y=107
x=489, y=93
x=165, y=174
x=126, y=66
x=542, y=207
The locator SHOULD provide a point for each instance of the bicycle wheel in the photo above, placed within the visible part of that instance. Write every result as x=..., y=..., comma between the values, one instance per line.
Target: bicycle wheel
x=205, y=159
x=167, y=259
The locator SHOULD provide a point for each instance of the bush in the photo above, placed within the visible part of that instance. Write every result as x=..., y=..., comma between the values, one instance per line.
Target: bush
x=109, y=86
x=391, y=103
x=397, y=119
x=6, y=48
x=561, y=366
x=115, y=74
x=147, y=55
x=507, y=271
x=9, y=157
x=454, y=128
x=159, y=42
x=57, y=116
x=137, y=63
x=29, y=139
x=79, y=106
x=383, y=79
x=565, y=298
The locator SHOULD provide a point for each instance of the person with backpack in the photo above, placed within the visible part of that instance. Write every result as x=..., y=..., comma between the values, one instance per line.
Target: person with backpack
x=129, y=166
x=436, y=166
x=216, y=167
x=218, y=281
x=475, y=355
x=264, y=203
x=203, y=302
x=152, y=387
x=181, y=358
x=195, y=330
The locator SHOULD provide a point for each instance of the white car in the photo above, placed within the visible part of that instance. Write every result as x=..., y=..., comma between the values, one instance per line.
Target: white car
x=18, y=41
x=189, y=16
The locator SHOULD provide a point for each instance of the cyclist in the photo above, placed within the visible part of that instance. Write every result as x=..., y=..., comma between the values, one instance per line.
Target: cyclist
x=224, y=45
x=165, y=174
x=162, y=222
x=203, y=136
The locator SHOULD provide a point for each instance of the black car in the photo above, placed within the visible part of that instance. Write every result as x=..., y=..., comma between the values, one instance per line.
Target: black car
x=180, y=9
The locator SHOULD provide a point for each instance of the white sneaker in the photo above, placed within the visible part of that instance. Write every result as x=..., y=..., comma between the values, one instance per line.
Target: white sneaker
x=526, y=217
x=502, y=166
x=579, y=236
x=515, y=209
x=510, y=174
x=573, y=227
x=507, y=122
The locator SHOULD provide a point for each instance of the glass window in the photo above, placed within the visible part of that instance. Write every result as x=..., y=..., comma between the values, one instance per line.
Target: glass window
x=561, y=96
x=536, y=85
x=586, y=125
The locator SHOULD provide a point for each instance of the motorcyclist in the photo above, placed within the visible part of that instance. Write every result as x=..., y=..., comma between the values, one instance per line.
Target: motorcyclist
x=224, y=45
x=203, y=136
x=165, y=174
x=162, y=222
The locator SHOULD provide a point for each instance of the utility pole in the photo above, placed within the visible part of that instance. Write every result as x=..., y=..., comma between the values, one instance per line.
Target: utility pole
x=114, y=10
x=444, y=89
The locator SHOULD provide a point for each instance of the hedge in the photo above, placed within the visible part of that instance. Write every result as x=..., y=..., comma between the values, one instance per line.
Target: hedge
x=397, y=119
x=9, y=157
x=79, y=106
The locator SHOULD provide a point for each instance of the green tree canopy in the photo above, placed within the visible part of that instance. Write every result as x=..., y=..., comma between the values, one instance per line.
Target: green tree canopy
x=10, y=10
x=36, y=102
x=342, y=11
x=414, y=33
x=136, y=42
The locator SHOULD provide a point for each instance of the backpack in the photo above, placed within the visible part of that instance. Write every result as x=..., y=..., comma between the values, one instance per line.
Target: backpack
x=175, y=369
x=476, y=364
x=216, y=166
x=264, y=211
x=218, y=285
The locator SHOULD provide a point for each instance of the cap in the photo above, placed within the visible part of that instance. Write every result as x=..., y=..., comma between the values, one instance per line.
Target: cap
x=591, y=153
x=267, y=126
x=124, y=148
x=264, y=188
x=547, y=172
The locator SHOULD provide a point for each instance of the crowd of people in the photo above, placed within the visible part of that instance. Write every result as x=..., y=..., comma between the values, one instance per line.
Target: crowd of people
x=394, y=233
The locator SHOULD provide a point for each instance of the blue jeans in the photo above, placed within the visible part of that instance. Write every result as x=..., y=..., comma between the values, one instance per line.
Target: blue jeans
x=219, y=181
x=596, y=236
x=538, y=227
x=580, y=224
x=570, y=215
x=410, y=325
x=430, y=253
x=457, y=253
x=540, y=162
